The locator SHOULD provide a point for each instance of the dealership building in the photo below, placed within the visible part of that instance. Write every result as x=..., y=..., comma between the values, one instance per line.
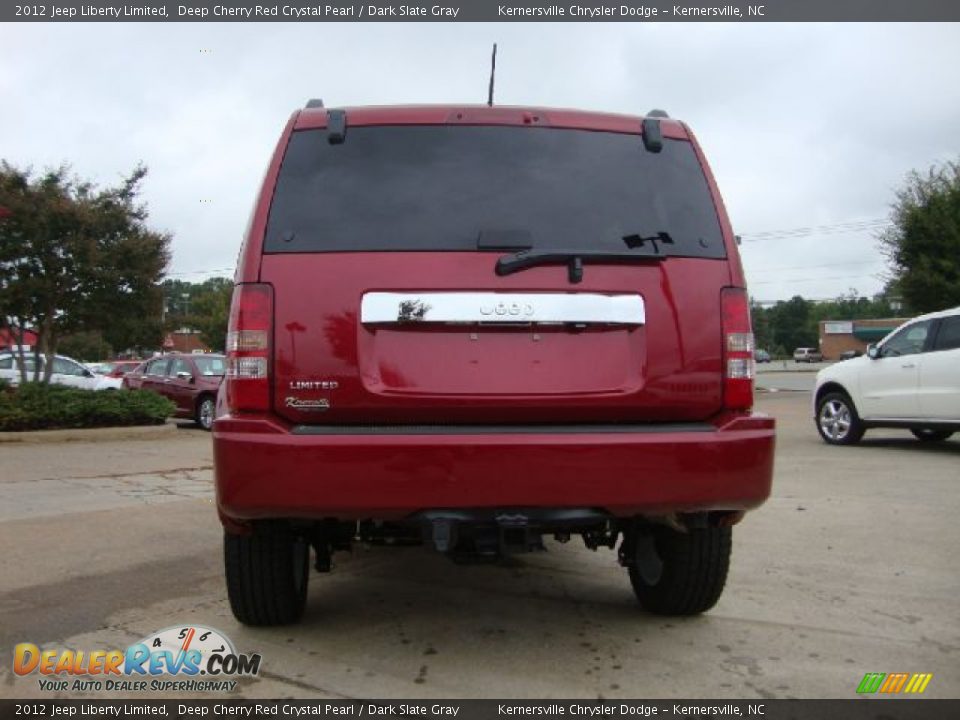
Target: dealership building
x=838, y=336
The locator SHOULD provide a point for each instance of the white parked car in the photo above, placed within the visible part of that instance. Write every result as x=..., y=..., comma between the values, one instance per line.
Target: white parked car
x=65, y=372
x=910, y=379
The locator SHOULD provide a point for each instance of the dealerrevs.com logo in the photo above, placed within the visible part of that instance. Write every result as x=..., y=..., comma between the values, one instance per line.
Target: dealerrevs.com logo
x=187, y=658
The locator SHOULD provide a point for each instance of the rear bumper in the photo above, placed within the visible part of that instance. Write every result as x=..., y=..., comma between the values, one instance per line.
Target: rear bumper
x=266, y=469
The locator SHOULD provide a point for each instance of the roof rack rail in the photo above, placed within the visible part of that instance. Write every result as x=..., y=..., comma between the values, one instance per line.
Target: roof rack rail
x=658, y=113
x=652, y=136
x=314, y=103
x=336, y=126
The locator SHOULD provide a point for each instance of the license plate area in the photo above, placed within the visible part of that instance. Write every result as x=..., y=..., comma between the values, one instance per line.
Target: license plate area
x=466, y=308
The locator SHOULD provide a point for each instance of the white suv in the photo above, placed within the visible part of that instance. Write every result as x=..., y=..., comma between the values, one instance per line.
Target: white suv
x=910, y=379
x=807, y=355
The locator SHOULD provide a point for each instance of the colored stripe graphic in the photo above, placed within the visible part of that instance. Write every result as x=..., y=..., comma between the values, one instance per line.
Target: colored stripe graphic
x=892, y=683
x=918, y=683
x=871, y=682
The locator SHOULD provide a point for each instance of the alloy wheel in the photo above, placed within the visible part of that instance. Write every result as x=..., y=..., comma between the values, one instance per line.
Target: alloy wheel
x=206, y=414
x=835, y=419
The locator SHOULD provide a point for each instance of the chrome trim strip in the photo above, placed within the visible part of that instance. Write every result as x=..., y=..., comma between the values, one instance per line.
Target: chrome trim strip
x=539, y=429
x=497, y=307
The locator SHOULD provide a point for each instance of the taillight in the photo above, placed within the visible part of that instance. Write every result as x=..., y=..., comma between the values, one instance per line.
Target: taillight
x=247, y=381
x=738, y=363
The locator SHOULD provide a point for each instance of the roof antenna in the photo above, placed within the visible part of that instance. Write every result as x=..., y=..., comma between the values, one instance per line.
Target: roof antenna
x=493, y=70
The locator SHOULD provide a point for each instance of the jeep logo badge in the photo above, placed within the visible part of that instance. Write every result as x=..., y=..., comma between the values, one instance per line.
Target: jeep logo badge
x=515, y=309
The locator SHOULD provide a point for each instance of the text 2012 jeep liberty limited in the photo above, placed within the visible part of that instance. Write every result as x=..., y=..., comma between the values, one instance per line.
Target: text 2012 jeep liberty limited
x=477, y=326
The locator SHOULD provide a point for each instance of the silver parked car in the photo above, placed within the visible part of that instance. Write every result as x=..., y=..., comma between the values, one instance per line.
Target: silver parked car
x=807, y=355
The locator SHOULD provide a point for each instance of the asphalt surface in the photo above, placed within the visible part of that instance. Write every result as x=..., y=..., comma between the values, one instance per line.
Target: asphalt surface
x=786, y=381
x=787, y=376
x=851, y=567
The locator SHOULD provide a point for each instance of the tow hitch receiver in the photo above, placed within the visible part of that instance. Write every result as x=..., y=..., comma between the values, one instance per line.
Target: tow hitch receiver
x=502, y=534
x=493, y=533
x=516, y=534
x=444, y=533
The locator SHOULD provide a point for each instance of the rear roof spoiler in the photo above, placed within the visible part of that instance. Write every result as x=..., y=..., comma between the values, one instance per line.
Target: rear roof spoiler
x=337, y=126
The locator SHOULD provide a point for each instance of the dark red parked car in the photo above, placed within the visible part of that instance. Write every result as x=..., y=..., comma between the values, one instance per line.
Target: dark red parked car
x=119, y=368
x=480, y=326
x=191, y=381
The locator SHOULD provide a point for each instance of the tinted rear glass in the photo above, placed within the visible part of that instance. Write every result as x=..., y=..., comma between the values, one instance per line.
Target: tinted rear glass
x=211, y=365
x=439, y=187
x=8, y=362
x=948, y=336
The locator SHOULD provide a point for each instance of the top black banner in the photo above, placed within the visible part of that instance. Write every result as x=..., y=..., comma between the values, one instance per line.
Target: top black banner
x=484, y=11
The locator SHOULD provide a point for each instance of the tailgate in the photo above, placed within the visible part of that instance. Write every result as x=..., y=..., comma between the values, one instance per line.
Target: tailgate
x=437, y=337
x=382, y=246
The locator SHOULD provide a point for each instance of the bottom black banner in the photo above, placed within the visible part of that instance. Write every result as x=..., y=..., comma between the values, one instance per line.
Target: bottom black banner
x=854, y=709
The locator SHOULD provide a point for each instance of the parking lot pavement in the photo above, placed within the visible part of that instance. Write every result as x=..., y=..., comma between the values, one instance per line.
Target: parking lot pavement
x=851, y=567
x=786, y=381
x=792, y=366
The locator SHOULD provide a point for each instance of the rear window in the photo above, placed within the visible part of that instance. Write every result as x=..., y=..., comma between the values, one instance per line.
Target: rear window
x=948, y=336
x=157, y=367
x=7, y=362
x=440, y=187
x=211, y=365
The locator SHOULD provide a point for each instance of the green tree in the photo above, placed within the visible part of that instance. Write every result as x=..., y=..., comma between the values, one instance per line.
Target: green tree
x=923, y=243
x=85, y=346
x=852, y=306
x=177, y=296
x=74, y=257
x=199, y=306
x=760, y=322
x=209, y=310
x=790, y=324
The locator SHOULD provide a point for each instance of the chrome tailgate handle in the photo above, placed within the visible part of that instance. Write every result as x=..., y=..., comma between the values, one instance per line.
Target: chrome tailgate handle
x=498, y=307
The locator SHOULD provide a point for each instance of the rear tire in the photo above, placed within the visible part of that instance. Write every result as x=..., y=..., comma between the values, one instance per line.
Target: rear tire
x=267, y=573
x=837, y=420
x=206, y=412
x=931, y=434
x=693, y=574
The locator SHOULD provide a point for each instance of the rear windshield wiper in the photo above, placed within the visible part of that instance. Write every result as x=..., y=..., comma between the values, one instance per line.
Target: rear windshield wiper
x=645, y=250
x=636, y=240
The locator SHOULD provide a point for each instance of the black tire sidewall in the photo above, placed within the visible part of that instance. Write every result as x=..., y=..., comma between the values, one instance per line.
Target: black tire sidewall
x=267, y=575
x=695, y=566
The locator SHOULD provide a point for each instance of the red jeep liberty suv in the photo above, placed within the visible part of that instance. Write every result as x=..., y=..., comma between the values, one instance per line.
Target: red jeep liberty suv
x=476, y=326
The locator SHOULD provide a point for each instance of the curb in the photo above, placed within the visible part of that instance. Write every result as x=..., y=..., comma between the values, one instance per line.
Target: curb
x=137, y=432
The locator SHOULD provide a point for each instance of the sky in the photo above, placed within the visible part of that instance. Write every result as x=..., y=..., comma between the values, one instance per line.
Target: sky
x=809, y=128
